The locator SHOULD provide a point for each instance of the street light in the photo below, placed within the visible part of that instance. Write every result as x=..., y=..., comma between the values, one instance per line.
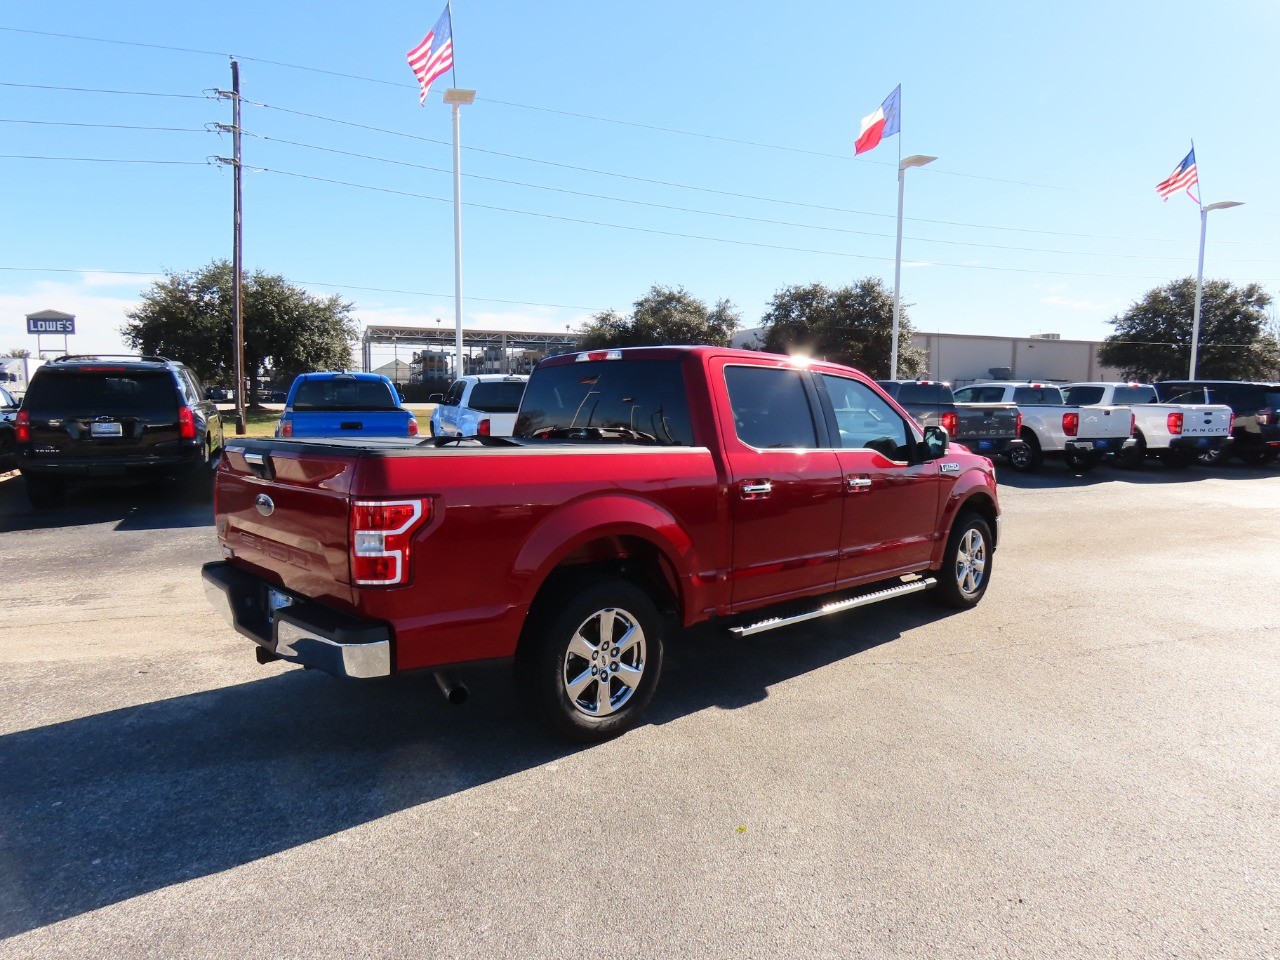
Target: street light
x=919, y=160
x=1195, y=317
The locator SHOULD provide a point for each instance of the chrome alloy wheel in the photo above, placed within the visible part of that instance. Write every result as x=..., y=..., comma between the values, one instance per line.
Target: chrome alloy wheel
x=604, y=662
x=971, y=562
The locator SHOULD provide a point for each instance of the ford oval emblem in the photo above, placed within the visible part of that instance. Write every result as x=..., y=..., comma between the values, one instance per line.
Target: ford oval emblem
x=266, y=506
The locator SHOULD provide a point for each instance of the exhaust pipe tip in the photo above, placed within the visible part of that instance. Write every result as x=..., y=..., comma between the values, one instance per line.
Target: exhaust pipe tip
x=456, y=693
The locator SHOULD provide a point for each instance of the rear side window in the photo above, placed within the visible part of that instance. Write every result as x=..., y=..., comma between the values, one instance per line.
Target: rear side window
x=344, y=395
x=501, y=396
x=608, y=401
x=107, y=389
x=934, y=393
x=770, y=408
x=1126, y=395
x=1037, y=396
x=1181, y=393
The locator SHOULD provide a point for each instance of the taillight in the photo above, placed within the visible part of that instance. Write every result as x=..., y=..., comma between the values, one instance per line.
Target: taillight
x=381, y=532
x=23, y=423
x=1231, y=424
x=951, y=422
x=413, y=426
x=1175, y=423
x=1018, y=428
x=1070, y=424
x=1133, y=423
x=186, y=423
x=286, y=427
x=482, y=428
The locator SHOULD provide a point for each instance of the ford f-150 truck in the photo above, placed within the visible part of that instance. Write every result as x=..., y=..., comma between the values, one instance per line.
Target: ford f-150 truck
x=644, y=490
x=1176, y=433
x=992, y=429
x=1080, y=435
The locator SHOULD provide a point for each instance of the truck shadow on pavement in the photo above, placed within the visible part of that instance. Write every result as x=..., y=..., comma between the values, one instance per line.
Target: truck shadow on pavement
x=107, y=807
x=151, y=506
x=1055, y=475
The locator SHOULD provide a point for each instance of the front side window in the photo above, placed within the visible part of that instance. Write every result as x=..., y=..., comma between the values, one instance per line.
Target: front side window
x=770, y=408
x=864, y=420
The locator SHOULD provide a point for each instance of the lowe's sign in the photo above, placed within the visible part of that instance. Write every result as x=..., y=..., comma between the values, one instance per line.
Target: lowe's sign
x=51, y=322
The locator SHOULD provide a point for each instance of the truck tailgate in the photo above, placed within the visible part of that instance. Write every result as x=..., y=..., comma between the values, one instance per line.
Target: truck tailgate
x=1100, y=422
x=1205, y=421
x=284, y=512
x=985, y=421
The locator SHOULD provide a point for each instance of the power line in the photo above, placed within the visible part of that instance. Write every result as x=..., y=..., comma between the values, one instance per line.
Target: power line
x=311, y=283
x=23, y=156
x=106, y=126
x=690, y=236
x=123, y=93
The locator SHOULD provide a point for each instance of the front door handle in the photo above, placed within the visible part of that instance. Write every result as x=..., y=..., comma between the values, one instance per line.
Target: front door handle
x=859, y=483
x=755, y=489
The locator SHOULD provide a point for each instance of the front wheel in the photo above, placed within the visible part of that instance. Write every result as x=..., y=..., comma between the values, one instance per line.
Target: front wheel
x=966, y=566
x=592, y=660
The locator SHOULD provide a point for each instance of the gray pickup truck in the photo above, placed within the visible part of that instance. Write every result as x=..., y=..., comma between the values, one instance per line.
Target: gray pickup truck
x=991, y=429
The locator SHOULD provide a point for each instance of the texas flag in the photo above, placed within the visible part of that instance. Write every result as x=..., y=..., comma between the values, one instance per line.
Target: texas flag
x=883, y=123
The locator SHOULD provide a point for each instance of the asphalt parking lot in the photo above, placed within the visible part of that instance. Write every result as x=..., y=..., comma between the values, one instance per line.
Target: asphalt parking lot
x=1084, y=766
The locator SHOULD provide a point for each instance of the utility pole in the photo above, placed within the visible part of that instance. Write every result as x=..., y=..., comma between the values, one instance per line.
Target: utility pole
x=237, y=309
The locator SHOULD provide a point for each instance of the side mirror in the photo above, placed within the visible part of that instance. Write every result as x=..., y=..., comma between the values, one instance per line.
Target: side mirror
x=935, y=443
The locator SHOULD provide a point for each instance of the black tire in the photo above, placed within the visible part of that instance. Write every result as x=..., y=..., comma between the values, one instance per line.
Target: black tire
x=8, y=449
x=563, y=649
x=1080, y=462
x=966, y=564
x=1029, y=458
x=45, y=494
x=1132, y=458
x=1216, y=457
x=198, y=484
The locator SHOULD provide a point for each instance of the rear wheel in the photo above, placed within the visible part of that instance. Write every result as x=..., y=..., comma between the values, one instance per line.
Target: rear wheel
x=1131, y=458
x=1259, y=458
x=1216, y=457
x=1029, y=457
x=966, y=565
x=44, y=493
x=199, y=483
x=591, y=658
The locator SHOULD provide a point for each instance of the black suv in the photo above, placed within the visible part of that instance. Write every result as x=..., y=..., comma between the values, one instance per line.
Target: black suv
x=1255, y=433
x=95, y=418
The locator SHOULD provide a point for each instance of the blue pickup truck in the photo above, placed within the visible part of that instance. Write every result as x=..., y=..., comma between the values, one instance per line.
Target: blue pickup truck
x=344, y=405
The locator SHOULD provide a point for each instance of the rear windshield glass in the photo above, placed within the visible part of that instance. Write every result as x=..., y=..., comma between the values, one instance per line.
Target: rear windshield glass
x=502, y=396
x=1083, y=396
x=107, y=389
x=980, y=395
x=923, y=393
x=344, y=395
x=611, y=401
x=1143, y=394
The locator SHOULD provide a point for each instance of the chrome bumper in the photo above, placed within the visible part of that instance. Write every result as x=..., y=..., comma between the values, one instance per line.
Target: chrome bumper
x=302, y=631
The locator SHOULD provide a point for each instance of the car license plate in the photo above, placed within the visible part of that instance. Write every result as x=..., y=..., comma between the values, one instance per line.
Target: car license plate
x=1202, y=442
x=105, y=430
x=985, y=444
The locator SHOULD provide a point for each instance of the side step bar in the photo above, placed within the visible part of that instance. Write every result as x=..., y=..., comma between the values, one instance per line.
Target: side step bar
x=838, y=606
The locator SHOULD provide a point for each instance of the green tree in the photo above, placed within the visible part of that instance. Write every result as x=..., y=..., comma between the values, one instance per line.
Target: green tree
x=1153, y=337
x=851, y=325
x=189, y=317
x=663, y=315
x=20, y=353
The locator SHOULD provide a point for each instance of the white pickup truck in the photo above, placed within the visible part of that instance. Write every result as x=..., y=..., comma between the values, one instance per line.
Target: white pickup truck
x=483, y=405
x=1080, y=435
x=1177, y=433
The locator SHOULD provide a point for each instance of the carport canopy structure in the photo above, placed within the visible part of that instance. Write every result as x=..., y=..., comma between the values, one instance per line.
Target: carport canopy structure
x=442, y=338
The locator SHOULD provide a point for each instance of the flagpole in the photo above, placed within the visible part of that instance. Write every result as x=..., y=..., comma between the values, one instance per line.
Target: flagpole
x=457, y=98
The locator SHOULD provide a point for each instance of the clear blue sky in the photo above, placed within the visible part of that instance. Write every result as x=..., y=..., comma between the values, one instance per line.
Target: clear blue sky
x=1052, y=125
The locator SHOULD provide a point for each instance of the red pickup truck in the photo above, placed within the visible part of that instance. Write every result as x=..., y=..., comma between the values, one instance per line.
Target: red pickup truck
x=643, y=491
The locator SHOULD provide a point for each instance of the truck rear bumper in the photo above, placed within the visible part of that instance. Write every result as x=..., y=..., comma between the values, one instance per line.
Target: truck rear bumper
x=1198, y=444
x=300, y=631
x=1107, y=445
x=991, y=446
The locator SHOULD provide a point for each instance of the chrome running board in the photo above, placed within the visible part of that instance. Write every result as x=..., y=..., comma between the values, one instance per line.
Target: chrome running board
x=838, y=606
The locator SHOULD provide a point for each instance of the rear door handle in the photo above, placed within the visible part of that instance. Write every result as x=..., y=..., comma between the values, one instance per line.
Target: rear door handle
x=753, y=489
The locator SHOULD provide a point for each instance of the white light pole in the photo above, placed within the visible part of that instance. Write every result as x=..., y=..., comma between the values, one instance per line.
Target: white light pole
x=1195, y=317
x=918, y=160
x=457, y=98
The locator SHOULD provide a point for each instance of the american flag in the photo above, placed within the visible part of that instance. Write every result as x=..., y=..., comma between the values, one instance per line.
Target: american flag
x=1184, y=176
x=434, y=55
